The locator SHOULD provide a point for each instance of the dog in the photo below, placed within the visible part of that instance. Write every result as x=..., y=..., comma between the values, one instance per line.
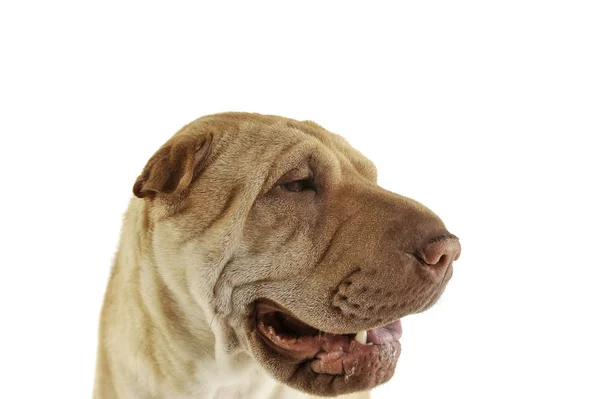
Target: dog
x=259, y=258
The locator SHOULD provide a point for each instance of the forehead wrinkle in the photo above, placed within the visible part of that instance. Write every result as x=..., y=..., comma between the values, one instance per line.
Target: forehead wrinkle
x=341, y=149
x=326, y=158
x=274, y=170
x=360, y=164
x=336, y=145
x=342, y=162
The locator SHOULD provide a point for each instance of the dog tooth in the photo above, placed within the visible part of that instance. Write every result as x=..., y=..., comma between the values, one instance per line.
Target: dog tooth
x=361, y=337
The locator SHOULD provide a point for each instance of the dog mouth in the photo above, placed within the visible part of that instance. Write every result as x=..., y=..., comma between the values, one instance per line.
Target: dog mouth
x=368, y=355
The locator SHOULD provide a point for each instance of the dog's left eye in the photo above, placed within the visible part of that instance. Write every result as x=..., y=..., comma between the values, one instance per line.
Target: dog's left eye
x=297, y=186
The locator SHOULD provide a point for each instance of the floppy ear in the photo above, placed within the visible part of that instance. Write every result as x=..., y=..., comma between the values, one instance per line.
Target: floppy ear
x=172, y=168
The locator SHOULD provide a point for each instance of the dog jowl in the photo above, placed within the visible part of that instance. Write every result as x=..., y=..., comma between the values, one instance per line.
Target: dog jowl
x=258, y=258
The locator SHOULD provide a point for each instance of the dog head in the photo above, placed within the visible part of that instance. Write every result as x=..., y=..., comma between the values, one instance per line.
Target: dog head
x=276, y=233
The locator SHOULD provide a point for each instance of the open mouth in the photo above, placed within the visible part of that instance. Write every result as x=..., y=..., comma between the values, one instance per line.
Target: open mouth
x=368, y=354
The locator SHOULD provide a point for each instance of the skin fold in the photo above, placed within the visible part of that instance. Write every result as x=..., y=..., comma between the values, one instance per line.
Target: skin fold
x=241, y=209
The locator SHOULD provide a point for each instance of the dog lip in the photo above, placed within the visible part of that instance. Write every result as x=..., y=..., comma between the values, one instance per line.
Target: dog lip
x=393, y=329
x=301, y=342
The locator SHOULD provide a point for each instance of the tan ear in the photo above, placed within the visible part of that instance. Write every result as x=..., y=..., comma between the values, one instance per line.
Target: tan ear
x=172, y=168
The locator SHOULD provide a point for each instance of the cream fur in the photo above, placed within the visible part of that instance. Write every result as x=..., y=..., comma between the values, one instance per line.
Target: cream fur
x=211, y=232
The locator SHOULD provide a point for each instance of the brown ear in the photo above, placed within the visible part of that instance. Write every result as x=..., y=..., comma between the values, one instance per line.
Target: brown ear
x=172, y=168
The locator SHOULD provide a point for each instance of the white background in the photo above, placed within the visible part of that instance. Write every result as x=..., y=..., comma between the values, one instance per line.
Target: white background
x=487, y=112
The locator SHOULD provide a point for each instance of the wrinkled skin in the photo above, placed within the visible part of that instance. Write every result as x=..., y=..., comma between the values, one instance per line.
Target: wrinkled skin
x=222, y=226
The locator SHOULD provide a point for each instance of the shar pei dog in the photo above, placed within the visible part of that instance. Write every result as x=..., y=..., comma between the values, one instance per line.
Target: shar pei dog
x=260, y=259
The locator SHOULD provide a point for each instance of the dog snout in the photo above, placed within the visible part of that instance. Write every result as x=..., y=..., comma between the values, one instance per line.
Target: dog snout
x=438, y=254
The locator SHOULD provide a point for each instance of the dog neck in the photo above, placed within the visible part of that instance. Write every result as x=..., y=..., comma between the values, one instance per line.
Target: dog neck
x=156, y=342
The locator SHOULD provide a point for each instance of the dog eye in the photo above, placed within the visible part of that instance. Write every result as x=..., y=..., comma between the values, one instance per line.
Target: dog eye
x=297, y=186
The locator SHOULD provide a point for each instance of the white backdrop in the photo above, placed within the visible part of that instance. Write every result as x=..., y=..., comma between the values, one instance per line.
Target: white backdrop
x=486, y=112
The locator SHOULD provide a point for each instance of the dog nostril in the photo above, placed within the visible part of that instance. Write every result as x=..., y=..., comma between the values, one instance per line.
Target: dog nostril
x=440, y=252
x=442, y=261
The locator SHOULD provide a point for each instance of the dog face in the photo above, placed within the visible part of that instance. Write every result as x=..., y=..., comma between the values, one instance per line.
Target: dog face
x=275, y=233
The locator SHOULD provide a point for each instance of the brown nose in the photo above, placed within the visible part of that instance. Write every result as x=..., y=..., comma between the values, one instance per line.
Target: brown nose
x=439, y=253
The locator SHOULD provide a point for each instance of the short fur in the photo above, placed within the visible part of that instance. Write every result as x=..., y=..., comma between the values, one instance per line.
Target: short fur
x=211, y=230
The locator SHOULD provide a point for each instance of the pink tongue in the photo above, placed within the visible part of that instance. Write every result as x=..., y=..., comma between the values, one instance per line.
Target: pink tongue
x=391, y=332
